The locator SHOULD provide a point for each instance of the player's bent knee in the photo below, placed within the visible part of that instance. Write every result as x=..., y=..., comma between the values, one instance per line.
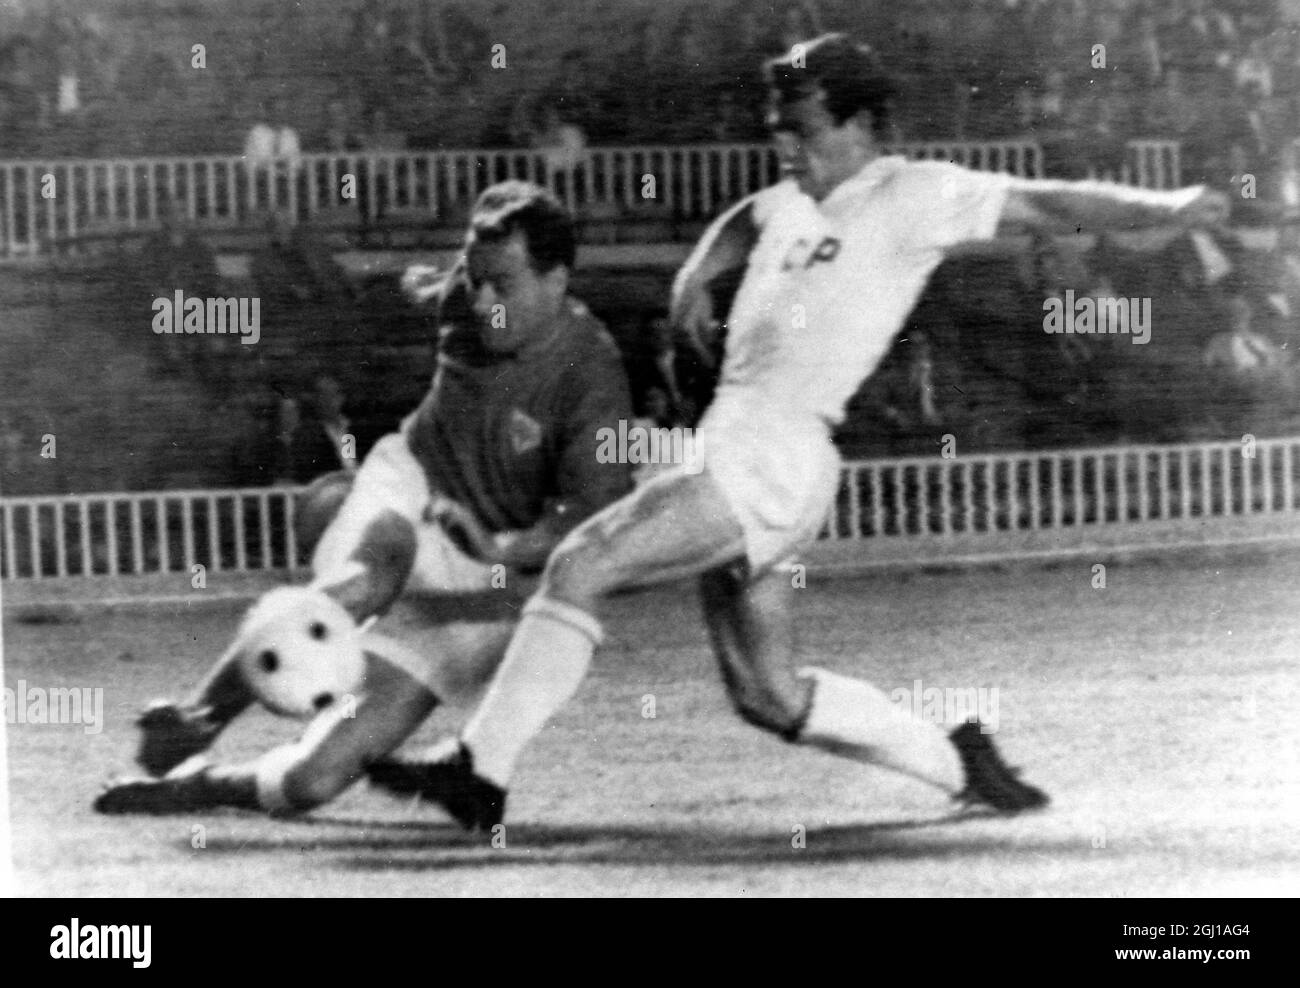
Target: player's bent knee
x=577, y=574
x=308, y=785
x=377, y=567
x=388, y=544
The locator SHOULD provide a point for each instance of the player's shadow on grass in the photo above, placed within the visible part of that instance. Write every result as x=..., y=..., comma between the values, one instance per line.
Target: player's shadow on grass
x=438, y=846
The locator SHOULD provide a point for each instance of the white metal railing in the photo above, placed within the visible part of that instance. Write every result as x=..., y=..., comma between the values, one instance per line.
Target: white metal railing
x=988, y=494
x=136, y=534
x=906, y=502
x=46, y=202
x=1156, y=164
x=1148, y=164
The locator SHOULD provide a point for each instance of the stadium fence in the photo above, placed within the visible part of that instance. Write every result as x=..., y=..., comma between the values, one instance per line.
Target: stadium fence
x=907, y=511
x=48, y=205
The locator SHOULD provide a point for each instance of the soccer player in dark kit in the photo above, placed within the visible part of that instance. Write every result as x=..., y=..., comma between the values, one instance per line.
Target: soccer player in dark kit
x=499, y=462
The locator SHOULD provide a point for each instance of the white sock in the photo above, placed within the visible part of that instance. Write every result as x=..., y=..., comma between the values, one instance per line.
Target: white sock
x=270, y=771
x=272, y=766
x=852, y=718
x=544, y=665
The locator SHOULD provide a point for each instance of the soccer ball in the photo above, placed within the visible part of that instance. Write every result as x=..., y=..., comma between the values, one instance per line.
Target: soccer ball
x=300, y=651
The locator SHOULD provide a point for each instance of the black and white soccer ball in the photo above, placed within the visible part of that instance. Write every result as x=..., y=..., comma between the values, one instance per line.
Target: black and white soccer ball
x=300, y=652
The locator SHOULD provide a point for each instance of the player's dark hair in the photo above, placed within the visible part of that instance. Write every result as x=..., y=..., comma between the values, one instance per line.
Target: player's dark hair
x=849, y=73
x=548, y=230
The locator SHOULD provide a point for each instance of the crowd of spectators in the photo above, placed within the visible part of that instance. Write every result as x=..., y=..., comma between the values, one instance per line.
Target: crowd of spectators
x=1222, y=76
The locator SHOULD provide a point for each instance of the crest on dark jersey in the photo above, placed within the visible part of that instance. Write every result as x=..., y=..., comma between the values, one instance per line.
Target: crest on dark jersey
x=525, y=433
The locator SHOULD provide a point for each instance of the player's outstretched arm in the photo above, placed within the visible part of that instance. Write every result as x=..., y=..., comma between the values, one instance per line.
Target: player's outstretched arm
x=1092, y=207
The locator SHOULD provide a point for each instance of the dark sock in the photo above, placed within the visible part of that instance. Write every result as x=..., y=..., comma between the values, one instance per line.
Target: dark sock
x=223, y=785
x=223, y=697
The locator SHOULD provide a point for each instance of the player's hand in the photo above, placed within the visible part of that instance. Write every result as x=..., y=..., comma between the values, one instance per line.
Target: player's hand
x=1210, y=208
x=464, y=530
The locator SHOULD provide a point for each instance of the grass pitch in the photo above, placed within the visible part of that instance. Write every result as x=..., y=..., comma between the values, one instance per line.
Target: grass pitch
x=1159, y=713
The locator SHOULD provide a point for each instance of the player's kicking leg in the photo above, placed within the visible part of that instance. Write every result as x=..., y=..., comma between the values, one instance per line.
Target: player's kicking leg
x=751, y=627
x=171, y=733
x=401, y=690
x=364, y=559
x=677, y=525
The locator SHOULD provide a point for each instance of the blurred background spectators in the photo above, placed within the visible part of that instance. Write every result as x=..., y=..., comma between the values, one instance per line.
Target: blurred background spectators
x=109, y=78
x=118, y=78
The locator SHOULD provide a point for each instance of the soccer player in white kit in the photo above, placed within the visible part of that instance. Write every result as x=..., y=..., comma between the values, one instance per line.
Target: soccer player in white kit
x=834, y=257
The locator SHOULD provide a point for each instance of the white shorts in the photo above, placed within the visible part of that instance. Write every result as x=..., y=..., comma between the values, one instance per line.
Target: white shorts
x=453, y=661
x=449, y=656
x=391, y=480
x=779, y=476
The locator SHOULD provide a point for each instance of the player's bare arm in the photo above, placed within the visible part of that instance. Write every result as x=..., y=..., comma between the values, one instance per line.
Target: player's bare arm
x=1090, y=207
x=528, y=548
x=725, y=246
x=513, y=548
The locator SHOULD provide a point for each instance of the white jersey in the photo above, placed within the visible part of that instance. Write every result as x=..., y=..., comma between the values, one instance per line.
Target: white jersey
x=827, y=287
x=829, y=284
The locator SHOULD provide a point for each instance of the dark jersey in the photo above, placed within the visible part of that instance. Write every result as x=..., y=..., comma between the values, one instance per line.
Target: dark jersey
x=515, y=438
